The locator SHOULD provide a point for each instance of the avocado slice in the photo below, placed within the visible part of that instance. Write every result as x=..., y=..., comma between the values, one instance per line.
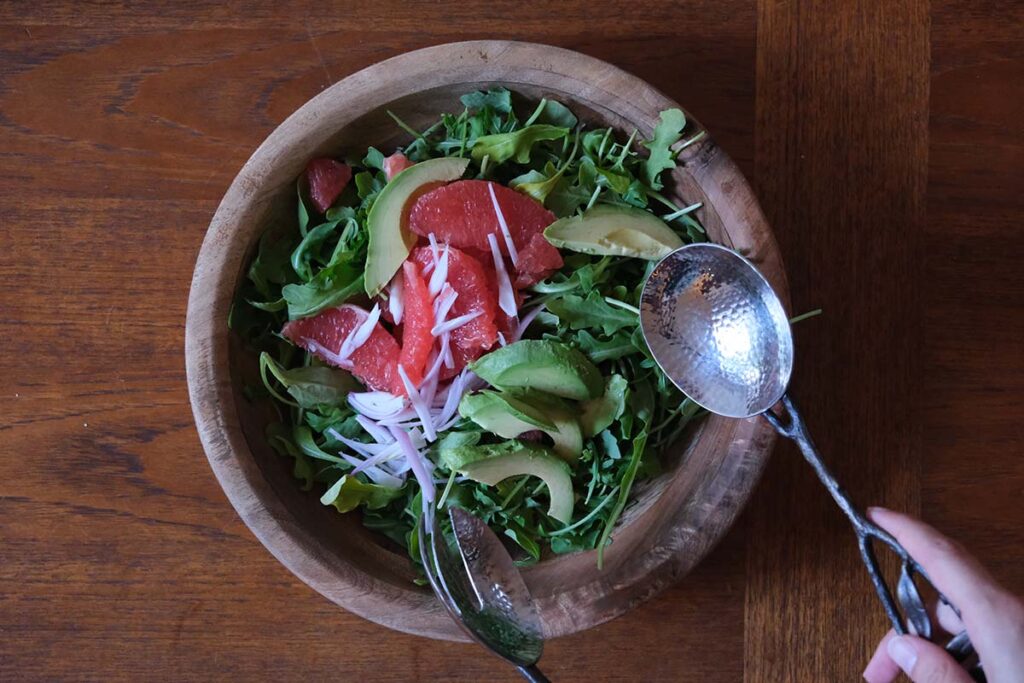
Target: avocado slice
x=389, y=241
x=600, y=412
x=545, y=365
x=509, y=414
x=615, y=231
x=493, y=464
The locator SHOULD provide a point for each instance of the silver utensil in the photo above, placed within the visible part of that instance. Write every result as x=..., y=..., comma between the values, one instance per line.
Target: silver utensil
x=477, y=581
x=720, y=333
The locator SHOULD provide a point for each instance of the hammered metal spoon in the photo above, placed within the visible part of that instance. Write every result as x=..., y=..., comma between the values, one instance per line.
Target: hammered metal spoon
x=477, y=581
x=719, y=332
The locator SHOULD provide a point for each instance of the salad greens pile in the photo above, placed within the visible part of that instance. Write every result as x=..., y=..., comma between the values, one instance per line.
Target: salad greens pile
x=591, y=305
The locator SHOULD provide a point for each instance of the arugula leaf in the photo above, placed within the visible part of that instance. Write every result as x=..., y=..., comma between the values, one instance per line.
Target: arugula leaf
x=536, y=183
x=594, y=311
x=557, y=114
x=523, y=539
x=330, y=287
x=312, y=386
x=270, y=267
x=625, y=484
x=303, y=211
x=668, y=132
x=501, y=147
x=600, y=350
x=498, y=99
x=374, y=159
x=280, y=440
x=309, y=249
x=348, y=493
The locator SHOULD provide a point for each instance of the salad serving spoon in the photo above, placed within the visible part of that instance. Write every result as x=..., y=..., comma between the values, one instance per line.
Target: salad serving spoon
x=480, y=586
x=719, y=332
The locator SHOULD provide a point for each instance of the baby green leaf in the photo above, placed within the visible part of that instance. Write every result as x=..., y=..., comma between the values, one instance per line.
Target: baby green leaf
x=348, y=493
x=498, y=99
x=557, y=114
x=600, y=350
x=593, y=311
x=666, y=133
x=517, y=145
x=331, y=287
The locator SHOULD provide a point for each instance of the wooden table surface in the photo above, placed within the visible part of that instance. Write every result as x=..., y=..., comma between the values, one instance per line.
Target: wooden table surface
x=885, y=140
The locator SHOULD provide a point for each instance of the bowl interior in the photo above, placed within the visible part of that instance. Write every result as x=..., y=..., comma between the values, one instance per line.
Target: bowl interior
x=673, y=520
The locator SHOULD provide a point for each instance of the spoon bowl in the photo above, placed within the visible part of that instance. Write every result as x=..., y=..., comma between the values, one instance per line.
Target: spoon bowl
x=718, y=330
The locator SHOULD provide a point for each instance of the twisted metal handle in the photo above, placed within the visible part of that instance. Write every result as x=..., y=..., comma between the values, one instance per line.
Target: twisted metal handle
x=914, y=615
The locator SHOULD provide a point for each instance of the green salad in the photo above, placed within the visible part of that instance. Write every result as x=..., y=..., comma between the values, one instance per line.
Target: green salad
x=455, y=322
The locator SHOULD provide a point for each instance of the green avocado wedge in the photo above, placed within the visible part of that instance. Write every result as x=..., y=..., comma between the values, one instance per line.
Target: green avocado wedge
x=493, y=464
x=511, y=413
x=548, y=366
x=615, y=231
x=389, y=242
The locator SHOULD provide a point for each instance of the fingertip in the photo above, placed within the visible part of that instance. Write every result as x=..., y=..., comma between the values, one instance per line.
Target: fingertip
x=902, y=651
x=881, y=669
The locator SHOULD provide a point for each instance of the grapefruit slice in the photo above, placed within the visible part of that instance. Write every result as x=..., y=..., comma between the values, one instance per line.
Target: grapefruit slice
x=375, y=362
x=470, y=280
x=417, y=321
x=395, y=164
x=462, y=213
x=327, y=178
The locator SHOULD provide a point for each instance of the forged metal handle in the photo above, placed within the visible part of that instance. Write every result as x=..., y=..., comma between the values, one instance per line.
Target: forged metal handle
x=533, y=674
x=791, y=425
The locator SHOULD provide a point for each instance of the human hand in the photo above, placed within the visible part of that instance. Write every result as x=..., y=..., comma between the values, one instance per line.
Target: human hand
x=993, y=617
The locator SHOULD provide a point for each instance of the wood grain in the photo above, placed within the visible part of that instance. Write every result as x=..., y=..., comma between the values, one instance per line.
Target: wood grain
x=122, y=125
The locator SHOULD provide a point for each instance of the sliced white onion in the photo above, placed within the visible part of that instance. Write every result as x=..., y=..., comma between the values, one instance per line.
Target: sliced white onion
x=328, y=355
x=443, y=304
x=449, y=361
x=419, y=405
x=375, y=474
x=525, y=322
x=360, y=448
x=416, y=463
x=379, y=460
x=512, y=253
x=454, y=324
x=435, y=253
x=379, y=434
x=406, y=417
x=506, y=295
x=435, y=368
x=395, y=297
x=501, y=339
x=451, y=403
x=376, y=405
x=440, y=275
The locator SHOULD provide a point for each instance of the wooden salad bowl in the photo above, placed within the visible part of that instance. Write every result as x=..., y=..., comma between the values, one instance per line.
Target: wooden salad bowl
x=673, y=521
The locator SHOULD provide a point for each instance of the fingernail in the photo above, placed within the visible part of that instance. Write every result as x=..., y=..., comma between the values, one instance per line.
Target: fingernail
x=874, y=510
x=903, y=653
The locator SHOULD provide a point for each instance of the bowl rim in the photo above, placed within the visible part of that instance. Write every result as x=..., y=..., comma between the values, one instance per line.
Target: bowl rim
x=217, y=272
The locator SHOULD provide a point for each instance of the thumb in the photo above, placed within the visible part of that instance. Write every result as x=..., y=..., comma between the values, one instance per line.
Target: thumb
x=925, y=662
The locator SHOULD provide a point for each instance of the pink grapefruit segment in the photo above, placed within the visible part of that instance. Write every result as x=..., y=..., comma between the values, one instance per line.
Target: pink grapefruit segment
x=472, y=281
x=417, y=321
x=327, y=178
x=395, y=164
x=462, y=214
x=375, y=362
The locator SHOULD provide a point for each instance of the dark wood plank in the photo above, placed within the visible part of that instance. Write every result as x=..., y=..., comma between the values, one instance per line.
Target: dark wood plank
x=972, y=469
x=120, y=129
x=841, y=169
